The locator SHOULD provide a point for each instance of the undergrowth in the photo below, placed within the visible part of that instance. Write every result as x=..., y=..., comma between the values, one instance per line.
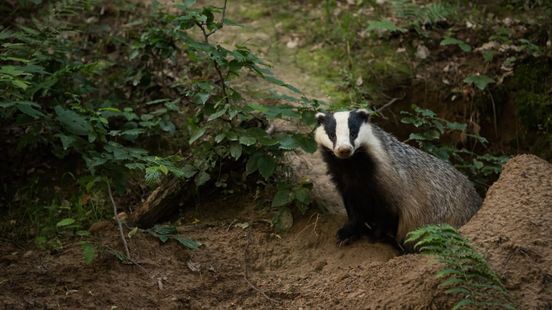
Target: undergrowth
x=466, y=275
x=95, y=93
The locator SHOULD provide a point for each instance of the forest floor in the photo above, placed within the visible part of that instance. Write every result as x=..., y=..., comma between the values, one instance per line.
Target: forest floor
x=244, y=264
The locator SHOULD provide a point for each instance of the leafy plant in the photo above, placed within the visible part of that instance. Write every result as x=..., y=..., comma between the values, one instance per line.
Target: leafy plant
x=481, y=81
x=135, y=103
x=429, y=138
x=465, y=273
x=418, y=16
x=461, y=44
x=166, y=232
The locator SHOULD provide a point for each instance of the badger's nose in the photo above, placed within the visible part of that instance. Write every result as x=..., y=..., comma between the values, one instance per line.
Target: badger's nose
x=343, y=151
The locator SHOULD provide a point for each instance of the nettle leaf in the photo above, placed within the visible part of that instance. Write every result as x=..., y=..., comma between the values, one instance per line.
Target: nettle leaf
x=188, y=171
x=201, y=98
x=66, y=141
x=201, y=178
x=72, y=121
x=480, y=81
x=461, y=44
x=307, y=143
x=198, y=133
x=235, y=150
x=247, y=141
x=302, y=195
x=412, y=120
x=283, y=197
x=424, y=112
x=427, y=135
x=252, y=163
x=267, y=165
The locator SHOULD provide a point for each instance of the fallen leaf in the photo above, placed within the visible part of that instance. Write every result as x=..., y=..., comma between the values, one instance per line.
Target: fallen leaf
x=194, y=267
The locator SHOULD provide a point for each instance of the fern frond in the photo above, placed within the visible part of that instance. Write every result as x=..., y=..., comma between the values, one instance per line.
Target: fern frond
x=466, y=273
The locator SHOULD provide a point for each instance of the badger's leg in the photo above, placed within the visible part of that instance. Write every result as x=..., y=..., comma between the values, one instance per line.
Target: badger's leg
x=355, y=227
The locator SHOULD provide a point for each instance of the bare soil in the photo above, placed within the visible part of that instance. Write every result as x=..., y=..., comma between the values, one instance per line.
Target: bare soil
x=243, y=263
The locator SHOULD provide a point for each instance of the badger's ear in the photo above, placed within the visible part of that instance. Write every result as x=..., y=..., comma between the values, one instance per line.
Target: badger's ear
x=363, y=113
x=320, y=117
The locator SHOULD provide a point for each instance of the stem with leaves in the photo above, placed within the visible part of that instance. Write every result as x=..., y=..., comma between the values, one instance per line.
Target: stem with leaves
x=206, y=36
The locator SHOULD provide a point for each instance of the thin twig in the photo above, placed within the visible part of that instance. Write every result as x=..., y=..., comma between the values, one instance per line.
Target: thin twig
x=118, y=221
x=316, y=222
x=245, y=272
x=494, y=113
x=385, y=106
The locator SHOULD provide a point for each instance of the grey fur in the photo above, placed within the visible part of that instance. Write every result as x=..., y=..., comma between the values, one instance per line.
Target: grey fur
x=424, y=189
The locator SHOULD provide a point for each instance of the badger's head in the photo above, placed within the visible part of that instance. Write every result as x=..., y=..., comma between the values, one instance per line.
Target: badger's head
x=339, y=132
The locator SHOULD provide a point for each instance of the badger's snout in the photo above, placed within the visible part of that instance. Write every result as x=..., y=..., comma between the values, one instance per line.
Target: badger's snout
x=343, y=151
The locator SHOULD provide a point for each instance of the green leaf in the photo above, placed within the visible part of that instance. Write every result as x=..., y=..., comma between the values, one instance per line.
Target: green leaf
x=217, y=114
x=167, y=126
x=282, y=198
x=247, y=141
x=302, y=195
x=201, y=98
x=88, y=252
x=66, y=141
x=163, y=230
x=202, y=178
x=252, y=163
x=235, y=150
x=307, y=143
x=65, y=222
x=188, y=243
x=196, y=135
x=278, y=82
x=163, y=169
x=452, y=41
x=188, y=171
x=480, y=81
x=267, y=165
x=384, y=25
x=488, y=56
x=27, y=107
x=72, y=121
x=456, y=126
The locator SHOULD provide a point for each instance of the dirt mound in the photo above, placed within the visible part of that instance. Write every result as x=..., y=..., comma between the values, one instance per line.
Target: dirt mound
x=253, y=267
x=514, y=230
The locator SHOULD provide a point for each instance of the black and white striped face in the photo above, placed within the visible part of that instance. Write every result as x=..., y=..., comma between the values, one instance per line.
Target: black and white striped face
x=340, y=131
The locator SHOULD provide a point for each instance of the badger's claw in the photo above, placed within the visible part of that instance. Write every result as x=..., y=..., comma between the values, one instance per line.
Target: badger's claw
x=347, y=234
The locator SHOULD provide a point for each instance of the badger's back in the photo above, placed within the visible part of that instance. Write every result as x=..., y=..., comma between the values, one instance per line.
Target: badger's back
x=427, y=189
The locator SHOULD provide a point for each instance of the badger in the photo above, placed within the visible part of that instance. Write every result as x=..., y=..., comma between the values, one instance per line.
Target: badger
x=389, y=188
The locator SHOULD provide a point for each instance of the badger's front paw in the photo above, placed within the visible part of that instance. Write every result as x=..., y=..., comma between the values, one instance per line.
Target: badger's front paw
x=347, y=234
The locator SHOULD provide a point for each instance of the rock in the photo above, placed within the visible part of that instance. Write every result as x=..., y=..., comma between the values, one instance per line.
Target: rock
x=422, y=52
